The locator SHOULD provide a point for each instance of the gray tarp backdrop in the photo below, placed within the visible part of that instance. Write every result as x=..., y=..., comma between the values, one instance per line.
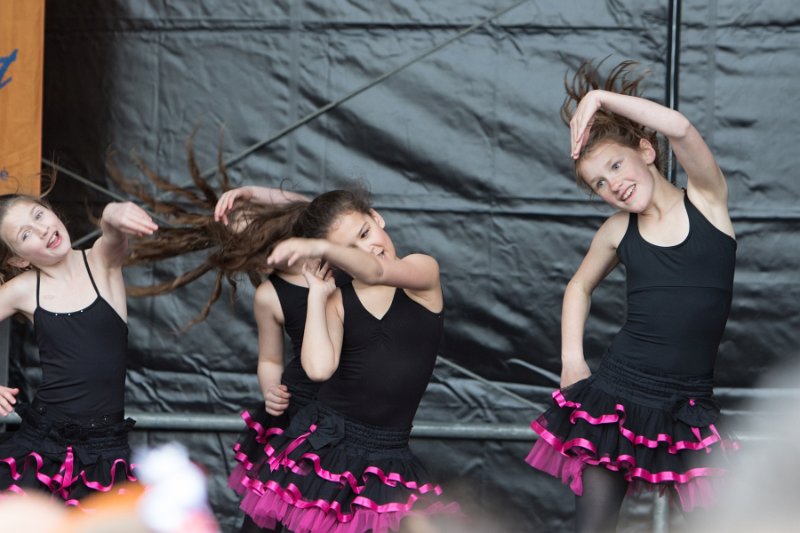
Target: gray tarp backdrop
x=468, y=161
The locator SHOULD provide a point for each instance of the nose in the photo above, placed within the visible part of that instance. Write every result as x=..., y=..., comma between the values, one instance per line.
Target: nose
x=615, y=184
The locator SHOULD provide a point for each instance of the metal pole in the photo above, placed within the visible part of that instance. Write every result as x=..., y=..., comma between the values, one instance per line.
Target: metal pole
x=673, y=56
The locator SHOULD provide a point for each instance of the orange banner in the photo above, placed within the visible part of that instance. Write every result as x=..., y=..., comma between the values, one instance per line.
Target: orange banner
x=21, y=71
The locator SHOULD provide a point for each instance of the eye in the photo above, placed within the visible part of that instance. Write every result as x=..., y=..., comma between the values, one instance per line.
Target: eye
x=25, y=235
x=365, y=233
x=616, y=166
x=38, y=214
x=599, y=184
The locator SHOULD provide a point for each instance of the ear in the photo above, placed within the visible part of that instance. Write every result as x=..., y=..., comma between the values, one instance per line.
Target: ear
x=18, y=262
x=377, y=218
x=647, y=151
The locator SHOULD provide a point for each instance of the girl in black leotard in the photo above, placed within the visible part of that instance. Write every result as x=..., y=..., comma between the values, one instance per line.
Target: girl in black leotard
x=343, y=464
x=279, y=305
x=646, y=418
x=73, y=438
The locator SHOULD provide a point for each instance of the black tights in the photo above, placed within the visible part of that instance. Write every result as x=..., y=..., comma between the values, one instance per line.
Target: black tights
x=248, y=526
x=597, y=510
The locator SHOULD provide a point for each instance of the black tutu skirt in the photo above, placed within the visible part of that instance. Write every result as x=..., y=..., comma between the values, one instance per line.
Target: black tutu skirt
x=325, y=472
x=249, y=448
x=68, y=456
x=658, y=429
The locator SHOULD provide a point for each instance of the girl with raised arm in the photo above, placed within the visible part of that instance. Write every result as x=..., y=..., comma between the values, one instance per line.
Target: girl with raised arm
x=73, y=438
x=343, y=464
x=646, y=417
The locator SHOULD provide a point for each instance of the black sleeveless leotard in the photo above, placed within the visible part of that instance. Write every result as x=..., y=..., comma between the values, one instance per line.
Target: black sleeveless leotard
x=82, y=356
x=648, y=410
x=343, y=463
x=679, y=297
x=386, y=363
x=73, y=439
x=294, y=304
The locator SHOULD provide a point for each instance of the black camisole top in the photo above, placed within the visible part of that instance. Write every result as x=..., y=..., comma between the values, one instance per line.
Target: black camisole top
x=679, y=297
x=386, y=363
x=294, y=304
x=82, y=356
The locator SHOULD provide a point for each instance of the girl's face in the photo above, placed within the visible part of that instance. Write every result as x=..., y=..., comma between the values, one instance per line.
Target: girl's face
x=364, y=231
x=35, y=234
x=620, y=175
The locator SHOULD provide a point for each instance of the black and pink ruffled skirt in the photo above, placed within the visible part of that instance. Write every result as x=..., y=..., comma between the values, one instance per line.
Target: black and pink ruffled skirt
x=68, y=456
x=248, y=451
x=658, y=429
x=325, y=472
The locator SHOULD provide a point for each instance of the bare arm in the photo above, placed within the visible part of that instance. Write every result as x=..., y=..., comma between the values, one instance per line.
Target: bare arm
x=690, y=149
x=232, y=199
x=118, y=221
x=599, y=261
x=269, y=319
x=416, y=272
x=322, y=337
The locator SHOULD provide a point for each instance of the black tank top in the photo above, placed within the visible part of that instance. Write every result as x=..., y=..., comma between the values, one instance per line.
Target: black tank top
x=386, y=363
x=82, y=355
x=294, y=303
x=679, y=297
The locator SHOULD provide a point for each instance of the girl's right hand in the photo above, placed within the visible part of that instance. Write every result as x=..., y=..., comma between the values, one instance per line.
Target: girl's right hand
x=276, y=400
x=319, y=277
x=7, y=400
x=292, y=250
x=573, y=373
x=582, y=121
x=227, y=202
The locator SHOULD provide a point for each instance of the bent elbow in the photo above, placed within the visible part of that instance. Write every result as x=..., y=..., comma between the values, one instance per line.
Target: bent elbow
x=319, y=374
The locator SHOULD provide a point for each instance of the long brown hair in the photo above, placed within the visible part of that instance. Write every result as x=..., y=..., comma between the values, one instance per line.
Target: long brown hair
x=232, y=251
x=607, y=126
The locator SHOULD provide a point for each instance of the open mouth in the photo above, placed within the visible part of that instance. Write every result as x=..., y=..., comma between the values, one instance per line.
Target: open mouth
x=55, y=240
x=628, y=192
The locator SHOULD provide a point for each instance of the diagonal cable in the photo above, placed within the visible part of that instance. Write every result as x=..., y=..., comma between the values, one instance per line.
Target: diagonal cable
x=308, y=118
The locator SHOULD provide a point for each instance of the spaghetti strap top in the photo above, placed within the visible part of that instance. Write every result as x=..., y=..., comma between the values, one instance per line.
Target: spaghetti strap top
x=82, y=356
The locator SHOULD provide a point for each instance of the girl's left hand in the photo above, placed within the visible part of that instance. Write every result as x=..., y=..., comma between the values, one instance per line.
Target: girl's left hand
x=129, y=218
x=290, y=251
x=582, y=121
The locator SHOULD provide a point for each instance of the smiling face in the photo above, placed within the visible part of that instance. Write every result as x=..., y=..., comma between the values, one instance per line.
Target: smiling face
x=364, y=231
x=620, y=175
x=34, y=234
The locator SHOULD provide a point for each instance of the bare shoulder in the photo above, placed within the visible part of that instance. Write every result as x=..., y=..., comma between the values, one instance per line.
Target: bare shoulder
x=714, y=210
x=422, y=260
x=266, y=303
x=613, y=230
x=98, y=262
x=19, y=294
x=430, y=296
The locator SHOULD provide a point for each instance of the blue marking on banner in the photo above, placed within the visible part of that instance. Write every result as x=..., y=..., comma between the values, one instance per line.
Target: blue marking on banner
x=5, y=62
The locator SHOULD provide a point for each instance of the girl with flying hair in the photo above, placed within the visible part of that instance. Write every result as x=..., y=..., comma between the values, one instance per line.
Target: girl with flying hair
x=235, y=232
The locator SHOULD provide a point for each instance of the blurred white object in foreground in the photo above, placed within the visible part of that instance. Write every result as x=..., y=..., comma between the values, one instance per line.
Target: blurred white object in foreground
x=175, y=498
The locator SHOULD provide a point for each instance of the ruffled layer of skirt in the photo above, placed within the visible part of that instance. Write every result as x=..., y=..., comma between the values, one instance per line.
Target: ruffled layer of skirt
x=68, y=457
x=328, y=473
x=658, y=430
